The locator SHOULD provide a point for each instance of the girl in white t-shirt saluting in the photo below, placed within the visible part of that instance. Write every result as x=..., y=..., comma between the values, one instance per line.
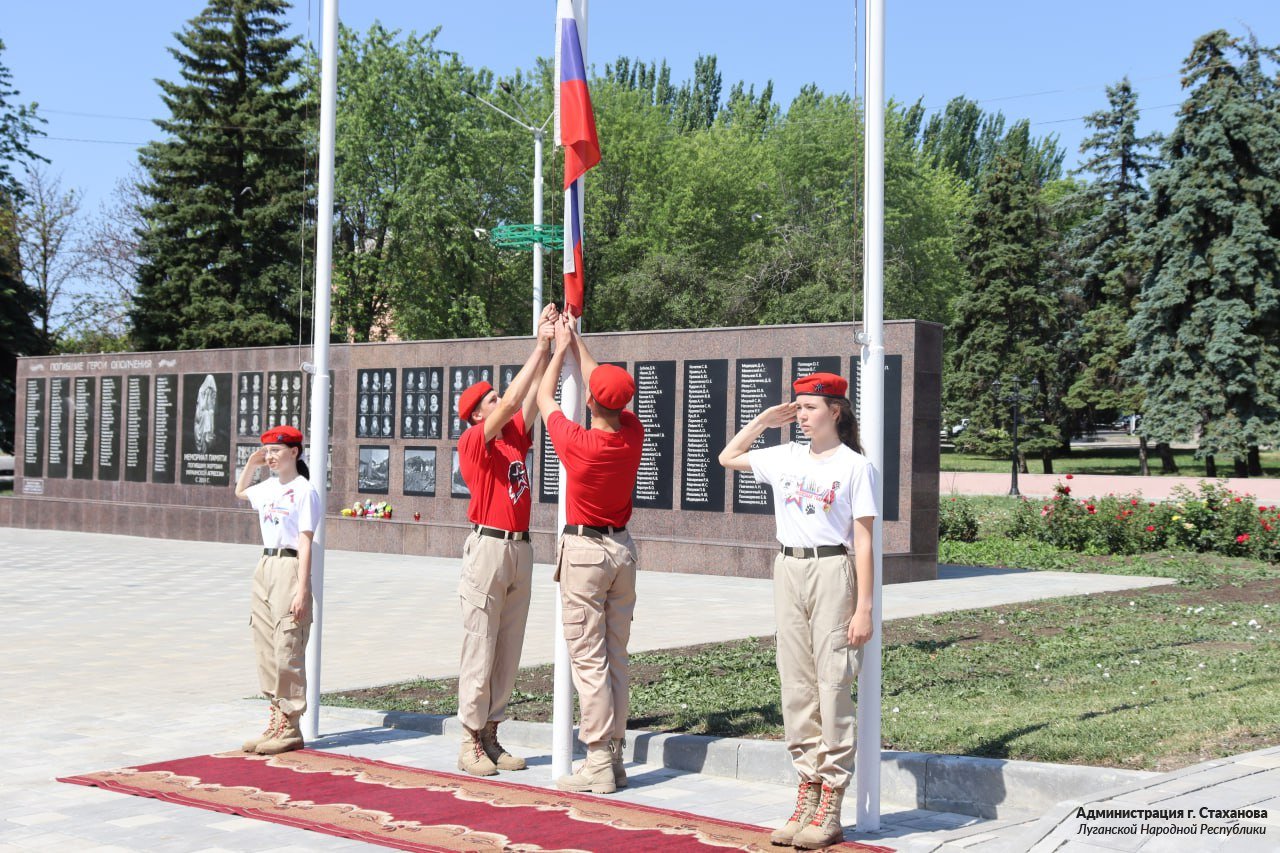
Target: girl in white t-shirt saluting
x=824, y=500
x=280, y=619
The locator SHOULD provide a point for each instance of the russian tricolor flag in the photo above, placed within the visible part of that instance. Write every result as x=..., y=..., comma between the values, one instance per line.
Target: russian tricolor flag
x=575, y=131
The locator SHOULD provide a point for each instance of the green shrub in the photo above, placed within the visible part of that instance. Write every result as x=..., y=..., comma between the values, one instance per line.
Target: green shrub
x=957, y=520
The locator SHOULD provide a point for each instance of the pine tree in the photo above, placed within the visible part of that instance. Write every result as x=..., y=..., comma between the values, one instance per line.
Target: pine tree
x=1207, y=325
x=1006, y=319
x=1102, y=261
x=227, y=190
x=19, y=304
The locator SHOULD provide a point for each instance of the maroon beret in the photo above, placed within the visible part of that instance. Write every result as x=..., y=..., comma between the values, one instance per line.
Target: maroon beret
x=283, y=435
x=821, y=385
x=471, y=398
x=612, y=386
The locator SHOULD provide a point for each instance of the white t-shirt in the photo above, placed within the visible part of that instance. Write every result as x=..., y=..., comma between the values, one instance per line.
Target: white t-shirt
x=816, y=500
x=284, y=510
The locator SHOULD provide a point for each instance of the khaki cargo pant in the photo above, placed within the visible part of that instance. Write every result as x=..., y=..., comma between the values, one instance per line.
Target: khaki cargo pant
x=598, y=593
x=494, y=594
x=814, y=601
x=279, y=642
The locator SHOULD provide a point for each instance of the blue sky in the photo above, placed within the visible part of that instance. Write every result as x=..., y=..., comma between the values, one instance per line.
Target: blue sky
x=91, y=65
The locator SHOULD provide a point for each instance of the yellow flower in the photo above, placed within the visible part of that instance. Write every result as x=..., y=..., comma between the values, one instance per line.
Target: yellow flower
x=1176, y=517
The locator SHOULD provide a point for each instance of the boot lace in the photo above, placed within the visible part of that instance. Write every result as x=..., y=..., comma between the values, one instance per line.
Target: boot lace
x=820, y=816
x=802, y=797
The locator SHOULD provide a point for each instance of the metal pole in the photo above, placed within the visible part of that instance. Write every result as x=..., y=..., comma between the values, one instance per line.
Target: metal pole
x=320, y=352
x=1016, y=399
x=868, y=762
x=537, y=224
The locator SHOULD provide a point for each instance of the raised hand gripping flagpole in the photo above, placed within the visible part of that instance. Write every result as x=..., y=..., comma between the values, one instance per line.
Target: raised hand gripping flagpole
x=871, y=400
x=575, y=132
x=319, y=367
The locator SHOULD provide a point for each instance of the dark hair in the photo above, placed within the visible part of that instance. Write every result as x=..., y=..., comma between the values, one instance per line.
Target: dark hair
x=846, y=423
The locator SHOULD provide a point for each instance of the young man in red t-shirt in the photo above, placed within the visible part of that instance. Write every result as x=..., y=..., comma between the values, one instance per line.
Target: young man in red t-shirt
x=596, y=566
x=497, y=559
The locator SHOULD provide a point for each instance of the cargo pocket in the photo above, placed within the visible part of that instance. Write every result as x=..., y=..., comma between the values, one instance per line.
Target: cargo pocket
x=838, y=663
x=575, y=623
x=475, y=610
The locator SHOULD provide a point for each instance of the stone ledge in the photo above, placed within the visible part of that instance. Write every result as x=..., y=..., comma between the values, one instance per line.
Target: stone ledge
x=990, y=788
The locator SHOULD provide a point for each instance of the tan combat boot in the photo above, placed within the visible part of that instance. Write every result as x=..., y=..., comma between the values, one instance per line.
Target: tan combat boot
x=472, y=757
x=273, y=722
x=807, y=798
x=285, y=738
x=618, y=748
x=824, y=829
x=595, y=775
x=498, y=754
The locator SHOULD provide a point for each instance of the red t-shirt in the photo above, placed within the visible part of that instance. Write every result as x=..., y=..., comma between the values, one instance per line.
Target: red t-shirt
x=601, y=468
x=496, y=474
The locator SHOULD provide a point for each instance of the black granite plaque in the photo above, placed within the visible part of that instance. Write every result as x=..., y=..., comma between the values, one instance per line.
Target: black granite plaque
x=206, y=429
x=375, y=469
x=284, y=399
x=82, y=434
x=60, y=408
x=165, y=442
x=706, y=414
x=420, y=471
x=891, y=476
x=759, y=386
x=33, y=430
x=655, y=406
x=457, y=485
x=137, y=405
x=249, y=396
x=375, y=403
x=803, y=366
x=109, y=428
x=243, y=452
x=549, y=463
x=421, y=397
x=460, y=379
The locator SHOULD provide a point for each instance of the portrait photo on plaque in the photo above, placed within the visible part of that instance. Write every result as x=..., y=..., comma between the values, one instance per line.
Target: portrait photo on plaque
x=460, y=379
x=206, y=429
x=284, y=398
x=420, y=471
x=248, y=404
x=457, y=485
x=506, y=375
x=375, y=470
x=375, y=403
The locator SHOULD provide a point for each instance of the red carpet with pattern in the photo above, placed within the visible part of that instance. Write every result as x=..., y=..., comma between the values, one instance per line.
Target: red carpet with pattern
x=413, y=809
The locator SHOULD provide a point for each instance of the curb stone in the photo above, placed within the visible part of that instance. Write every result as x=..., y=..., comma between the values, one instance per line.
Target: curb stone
x=989, y=788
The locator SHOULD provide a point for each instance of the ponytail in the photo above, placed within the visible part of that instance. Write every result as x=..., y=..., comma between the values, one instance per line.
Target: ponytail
x=846, y=423
x=303, y=469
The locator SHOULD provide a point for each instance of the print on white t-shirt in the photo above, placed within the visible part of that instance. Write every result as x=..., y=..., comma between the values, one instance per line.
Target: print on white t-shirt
x=284, y=510
x=816, y=500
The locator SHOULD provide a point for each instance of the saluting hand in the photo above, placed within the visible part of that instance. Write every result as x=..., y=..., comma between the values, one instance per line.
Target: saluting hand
x=779, y=415
x=256, y=459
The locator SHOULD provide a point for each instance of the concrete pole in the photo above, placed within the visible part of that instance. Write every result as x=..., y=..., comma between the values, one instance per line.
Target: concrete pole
x=872, y=404
x=319, y=432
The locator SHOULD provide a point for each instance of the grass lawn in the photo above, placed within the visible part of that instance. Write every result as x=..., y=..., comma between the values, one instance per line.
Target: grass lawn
x=1101, y=460
x=1150, y=680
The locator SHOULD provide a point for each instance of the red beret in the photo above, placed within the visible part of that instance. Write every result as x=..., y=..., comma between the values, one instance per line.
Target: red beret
x=612, y=386
x=471, y=398
x=821, y=385
x=283, y=435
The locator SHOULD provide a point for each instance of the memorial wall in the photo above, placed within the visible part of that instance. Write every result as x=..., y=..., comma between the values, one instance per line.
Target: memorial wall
x=151, y=443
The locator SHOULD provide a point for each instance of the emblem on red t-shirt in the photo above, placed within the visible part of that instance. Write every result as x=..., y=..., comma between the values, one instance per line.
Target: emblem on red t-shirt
x=517, y=480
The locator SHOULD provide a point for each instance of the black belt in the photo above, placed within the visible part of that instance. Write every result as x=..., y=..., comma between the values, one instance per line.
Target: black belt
x=279, y=552
x=820, y=551
x=591, y=532
x=516, y=535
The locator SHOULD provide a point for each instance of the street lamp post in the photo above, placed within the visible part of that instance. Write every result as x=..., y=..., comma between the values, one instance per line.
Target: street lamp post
x=538, y=134
x=1016, y=398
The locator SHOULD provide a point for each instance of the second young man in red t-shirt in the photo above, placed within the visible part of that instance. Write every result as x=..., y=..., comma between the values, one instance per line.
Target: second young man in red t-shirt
x=497, y=559
x=596, y=566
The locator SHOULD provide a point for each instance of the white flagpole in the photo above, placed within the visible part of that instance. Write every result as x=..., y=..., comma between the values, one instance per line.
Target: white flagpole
x=571, y=400
x=872, y=406
x=319, y=432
